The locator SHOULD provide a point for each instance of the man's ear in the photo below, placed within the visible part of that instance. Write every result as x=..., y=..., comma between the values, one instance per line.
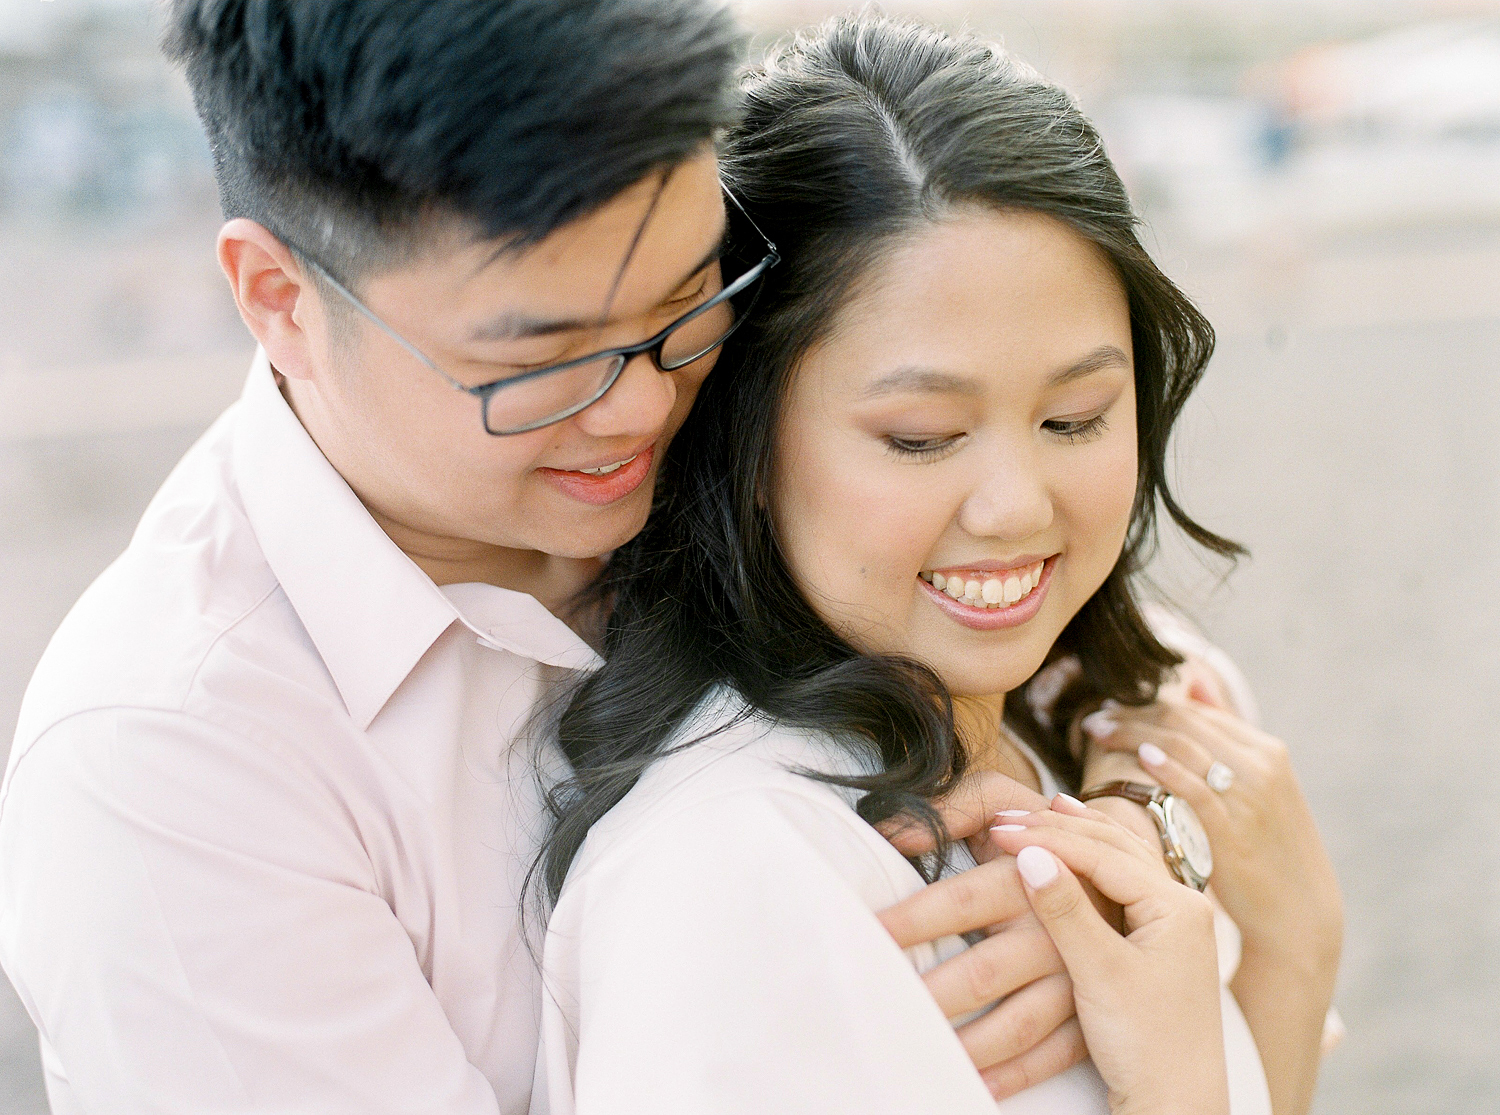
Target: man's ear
x=275, y=296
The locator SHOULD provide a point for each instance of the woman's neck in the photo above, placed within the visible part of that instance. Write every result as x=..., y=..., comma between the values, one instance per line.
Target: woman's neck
x=981, y=726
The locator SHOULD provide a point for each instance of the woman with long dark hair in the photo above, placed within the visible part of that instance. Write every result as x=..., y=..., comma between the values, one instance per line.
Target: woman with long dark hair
x=929, y=465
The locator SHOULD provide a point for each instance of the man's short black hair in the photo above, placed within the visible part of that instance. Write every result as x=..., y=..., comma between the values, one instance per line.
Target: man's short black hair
x=342, y=124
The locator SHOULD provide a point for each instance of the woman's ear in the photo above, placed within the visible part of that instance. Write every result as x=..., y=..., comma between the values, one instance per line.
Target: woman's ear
x=275, y=297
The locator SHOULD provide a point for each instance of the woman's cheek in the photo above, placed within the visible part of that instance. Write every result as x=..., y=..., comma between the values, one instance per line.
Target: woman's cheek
x=856, y=532
x=1103, y=494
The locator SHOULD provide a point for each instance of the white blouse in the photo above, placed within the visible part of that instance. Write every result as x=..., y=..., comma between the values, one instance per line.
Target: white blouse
x=715, y=950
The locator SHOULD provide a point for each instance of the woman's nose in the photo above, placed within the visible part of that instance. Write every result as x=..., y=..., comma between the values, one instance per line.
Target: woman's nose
x=638, y=404
x=1011, y=502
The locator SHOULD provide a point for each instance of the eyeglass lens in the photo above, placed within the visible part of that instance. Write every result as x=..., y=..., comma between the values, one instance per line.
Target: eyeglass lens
x=532, y=403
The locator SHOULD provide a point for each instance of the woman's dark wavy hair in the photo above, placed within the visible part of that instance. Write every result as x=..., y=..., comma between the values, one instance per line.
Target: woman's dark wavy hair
x=854, y=135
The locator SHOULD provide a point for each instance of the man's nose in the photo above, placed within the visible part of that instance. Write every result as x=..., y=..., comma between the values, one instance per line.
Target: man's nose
x=636, y=406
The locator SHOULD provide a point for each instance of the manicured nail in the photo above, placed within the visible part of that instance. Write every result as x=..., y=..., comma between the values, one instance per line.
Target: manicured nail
x=1100, y=725
x=1014, y=813
x=1109, y=704
x=1065, y=803
x=1151, y=755
x=1037, y=866
x=1009, y=828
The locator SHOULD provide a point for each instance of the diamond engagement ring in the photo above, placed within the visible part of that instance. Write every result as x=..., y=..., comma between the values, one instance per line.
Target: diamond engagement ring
x=1219, y=778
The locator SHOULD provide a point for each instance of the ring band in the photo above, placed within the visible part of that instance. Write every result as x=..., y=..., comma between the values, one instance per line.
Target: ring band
x=1219, y=777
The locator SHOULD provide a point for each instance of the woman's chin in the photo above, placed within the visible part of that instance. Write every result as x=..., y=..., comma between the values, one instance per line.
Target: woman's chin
x=970, y=678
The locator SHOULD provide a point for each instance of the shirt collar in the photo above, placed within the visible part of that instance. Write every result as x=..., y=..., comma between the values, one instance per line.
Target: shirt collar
x=368, y=608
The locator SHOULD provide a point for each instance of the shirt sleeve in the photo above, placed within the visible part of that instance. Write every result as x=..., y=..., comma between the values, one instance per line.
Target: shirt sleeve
x=193, y=923
x=727, y=960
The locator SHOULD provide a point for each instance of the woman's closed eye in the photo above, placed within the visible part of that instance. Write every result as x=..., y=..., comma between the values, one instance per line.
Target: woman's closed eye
x=923, y=447
x=1077, y=430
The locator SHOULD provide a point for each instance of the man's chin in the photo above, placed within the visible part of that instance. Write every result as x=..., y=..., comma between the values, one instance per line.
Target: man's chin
x=598, y=531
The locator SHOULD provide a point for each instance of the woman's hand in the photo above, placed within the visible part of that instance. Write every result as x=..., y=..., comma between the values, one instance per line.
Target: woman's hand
x=1271, y=872
x=1148, y=1002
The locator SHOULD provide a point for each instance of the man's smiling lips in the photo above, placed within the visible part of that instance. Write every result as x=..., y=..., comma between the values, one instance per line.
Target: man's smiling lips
x=990, y=595
x=607, y=481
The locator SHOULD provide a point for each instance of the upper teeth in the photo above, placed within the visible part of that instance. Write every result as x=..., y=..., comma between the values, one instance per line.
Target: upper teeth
x=990, y=592
x=605, y=470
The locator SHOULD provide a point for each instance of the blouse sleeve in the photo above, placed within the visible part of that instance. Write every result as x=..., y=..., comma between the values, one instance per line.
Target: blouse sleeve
x=727, y=960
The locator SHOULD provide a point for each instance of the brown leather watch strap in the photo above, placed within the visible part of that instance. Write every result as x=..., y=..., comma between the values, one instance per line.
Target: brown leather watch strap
x=1141, y=793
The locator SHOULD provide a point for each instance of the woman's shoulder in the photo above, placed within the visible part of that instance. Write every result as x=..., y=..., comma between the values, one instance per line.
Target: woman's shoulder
x=743, y=782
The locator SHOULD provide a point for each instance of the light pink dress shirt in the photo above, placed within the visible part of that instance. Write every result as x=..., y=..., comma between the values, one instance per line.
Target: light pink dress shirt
x=269, y=807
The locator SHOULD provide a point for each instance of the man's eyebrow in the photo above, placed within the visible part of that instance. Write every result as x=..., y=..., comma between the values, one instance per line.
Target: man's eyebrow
x=1105, y=356
x=519, y=326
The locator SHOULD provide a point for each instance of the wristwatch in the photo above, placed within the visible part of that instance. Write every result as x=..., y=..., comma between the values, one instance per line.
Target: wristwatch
x=1183, y=841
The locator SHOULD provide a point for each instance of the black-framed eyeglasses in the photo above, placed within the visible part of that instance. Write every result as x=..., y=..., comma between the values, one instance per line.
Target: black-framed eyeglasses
x=542, y=396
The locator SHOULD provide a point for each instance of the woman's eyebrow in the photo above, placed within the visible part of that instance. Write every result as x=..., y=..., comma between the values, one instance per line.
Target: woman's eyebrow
x=916, y=378
x=1105, y=356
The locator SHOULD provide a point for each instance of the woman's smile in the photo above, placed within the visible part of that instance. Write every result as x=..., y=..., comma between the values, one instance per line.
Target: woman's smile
x=985, y=600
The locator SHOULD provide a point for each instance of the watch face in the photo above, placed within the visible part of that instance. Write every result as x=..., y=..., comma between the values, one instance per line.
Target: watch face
x=1187, y=833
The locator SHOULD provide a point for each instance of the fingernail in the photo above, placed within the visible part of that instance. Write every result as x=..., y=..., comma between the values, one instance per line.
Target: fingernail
x=1151, y=755
x=1109, y=704
x=1009, y=828
x=1065, y=803
x=1014, y=813
x=1037, y=866
x=1100, y=725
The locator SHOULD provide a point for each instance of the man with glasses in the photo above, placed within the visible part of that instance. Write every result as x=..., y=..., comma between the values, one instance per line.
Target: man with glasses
x=272, y=798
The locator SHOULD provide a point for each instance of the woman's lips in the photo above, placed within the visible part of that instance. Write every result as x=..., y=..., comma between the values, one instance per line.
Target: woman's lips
x=991, y=619
x=599, y=490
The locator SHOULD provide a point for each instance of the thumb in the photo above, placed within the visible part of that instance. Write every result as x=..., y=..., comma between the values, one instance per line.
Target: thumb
x=1081, y=935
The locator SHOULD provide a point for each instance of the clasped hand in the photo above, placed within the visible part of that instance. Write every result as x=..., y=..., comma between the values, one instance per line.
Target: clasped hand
x=1033, y=1034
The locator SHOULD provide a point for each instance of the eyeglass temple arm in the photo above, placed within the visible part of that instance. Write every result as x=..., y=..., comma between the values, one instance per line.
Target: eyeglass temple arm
x=748, y=218
x=349, y=297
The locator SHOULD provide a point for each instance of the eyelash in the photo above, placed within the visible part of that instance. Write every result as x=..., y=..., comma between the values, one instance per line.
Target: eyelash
x=927, y=450
x=696, y=296
x=933, y=449
x=1079, y=432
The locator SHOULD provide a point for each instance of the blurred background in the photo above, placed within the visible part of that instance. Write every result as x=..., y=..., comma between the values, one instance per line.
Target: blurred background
x=1322, y=175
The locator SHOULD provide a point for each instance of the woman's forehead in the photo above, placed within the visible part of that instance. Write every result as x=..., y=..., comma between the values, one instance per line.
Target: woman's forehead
x=983, y=293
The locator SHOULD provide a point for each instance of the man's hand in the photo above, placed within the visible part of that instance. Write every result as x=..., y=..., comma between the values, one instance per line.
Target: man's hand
x=968, y=813
x=1033, y=1034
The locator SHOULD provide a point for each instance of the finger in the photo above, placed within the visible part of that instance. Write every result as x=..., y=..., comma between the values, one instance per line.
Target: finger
x=1020, y=1023
x=1185, y=749
x=994, y=968
x=1187, y=784
x=975, y=899
x=1094, y=825
x=1204, y=684
x=1081, y=936
x=1056, y=1053
x=1222, y=735
x=1123, y=877
x=1241, y=734
x=1188, y=746
x=966, y=811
